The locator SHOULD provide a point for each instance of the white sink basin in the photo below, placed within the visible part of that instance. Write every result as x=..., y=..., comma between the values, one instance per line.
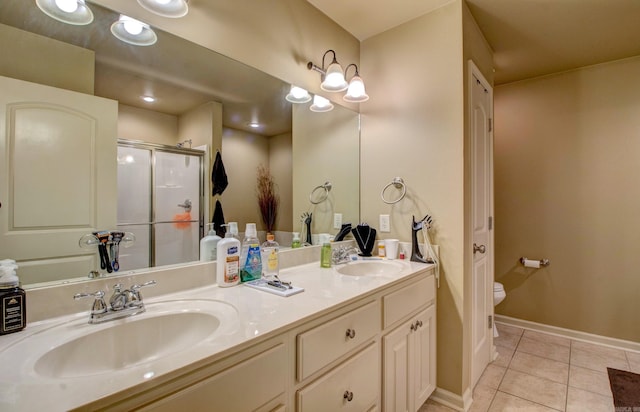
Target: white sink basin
x=76, y=349
x=370, y=268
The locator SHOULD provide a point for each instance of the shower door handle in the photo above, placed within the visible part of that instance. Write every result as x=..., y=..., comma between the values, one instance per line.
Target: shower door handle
x=186, y=205
x=480, y=248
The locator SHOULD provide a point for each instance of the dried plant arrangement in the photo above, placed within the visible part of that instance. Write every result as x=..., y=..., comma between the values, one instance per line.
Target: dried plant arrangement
x=268, y=200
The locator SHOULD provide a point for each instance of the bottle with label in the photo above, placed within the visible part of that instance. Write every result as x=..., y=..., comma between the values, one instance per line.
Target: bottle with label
x=209, y=244
x=228, y=258
x=325, y=256
x=250, y=258
x=295, y=243
x=270, y=263
x=13, y=300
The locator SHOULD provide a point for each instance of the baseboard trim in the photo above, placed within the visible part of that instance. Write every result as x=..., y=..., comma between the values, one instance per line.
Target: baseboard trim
x=570, y=333
x=453, y=401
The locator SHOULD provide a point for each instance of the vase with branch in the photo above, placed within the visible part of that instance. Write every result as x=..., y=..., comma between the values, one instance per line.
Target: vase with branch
x=268, y=199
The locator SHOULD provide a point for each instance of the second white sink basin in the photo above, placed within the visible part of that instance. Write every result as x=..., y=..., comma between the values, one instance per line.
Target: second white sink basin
x=370, y=268
x=76, y=349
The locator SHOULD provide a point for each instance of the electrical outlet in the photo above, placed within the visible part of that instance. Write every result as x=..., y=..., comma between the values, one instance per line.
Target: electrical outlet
x=385, y=226
x=337, y=220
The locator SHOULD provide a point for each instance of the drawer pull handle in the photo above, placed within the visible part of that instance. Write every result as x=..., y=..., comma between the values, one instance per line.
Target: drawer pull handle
x=351, y=333
x=413, y=326
x=419, y=323
x=348, y=395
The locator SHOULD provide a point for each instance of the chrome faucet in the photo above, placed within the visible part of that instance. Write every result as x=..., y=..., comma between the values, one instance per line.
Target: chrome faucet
x=122, y=303
x=343, y=254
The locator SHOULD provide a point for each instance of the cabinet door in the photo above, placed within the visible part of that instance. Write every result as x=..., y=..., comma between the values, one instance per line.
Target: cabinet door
x=397, y=375
x=423, y=351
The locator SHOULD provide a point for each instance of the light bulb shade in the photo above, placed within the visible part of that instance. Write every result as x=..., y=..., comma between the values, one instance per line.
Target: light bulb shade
x=334, y=79
x=166, y=8
x=298, y=95
x=73, y=12
x=320, y=104
x=133, y=31
x=356, y=92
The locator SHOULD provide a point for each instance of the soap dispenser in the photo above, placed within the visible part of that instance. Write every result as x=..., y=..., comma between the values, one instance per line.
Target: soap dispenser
x=228, y=258
x=13, y=299
x=209, y=244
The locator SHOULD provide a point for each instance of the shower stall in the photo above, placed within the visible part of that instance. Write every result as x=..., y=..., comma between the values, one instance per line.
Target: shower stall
x=160, y=200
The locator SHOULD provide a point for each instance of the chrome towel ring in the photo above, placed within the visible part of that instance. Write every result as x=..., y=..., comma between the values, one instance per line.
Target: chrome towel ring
x=326, y=187
x=398, y=183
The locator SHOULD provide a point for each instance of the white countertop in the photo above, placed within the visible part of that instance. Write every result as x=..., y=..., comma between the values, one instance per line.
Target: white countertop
x=257, y=316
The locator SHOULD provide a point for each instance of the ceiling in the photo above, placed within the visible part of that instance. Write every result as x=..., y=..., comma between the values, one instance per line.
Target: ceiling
x=529, y=38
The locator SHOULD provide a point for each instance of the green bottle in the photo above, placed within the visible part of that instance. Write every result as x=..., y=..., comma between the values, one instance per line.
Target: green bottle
x=325, y=256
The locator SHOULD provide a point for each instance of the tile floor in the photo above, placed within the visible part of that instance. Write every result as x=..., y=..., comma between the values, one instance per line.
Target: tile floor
x=541, y=372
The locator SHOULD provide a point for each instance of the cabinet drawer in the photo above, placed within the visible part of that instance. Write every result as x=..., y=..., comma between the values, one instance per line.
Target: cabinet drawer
x=321, y=345
x=402, y=302
x=357, y=379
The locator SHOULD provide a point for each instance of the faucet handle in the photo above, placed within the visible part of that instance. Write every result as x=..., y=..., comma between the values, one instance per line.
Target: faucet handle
x=136, y=297
x=136, y=287
x=99, y=305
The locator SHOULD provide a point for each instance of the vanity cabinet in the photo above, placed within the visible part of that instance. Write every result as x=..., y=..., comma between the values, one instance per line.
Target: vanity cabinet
x=409, y=356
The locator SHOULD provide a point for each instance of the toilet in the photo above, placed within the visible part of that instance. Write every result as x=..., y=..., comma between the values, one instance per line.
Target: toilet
x=498, y=296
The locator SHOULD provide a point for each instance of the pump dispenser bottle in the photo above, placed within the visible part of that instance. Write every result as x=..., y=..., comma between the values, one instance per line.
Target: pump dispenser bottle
x=13, y=299
x=209, y=244
x=228, y=258
x=250, y=258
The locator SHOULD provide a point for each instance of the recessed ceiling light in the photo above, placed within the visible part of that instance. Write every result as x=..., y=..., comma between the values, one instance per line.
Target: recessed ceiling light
x=253, y=125
x=67, y=11
x=148, y=99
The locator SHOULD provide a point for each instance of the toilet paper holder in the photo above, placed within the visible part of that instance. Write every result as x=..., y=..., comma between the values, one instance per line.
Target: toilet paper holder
x=543, y=262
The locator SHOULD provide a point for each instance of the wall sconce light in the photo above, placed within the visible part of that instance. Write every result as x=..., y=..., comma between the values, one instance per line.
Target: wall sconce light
x=73, y=12
x=133, y=31
x=355, y=92
x=298, y=95
x=334, y=80
x=166, y=8
x=320, y=104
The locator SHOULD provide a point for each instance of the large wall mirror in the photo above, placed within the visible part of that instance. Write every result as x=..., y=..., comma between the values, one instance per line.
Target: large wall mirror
x=204, y=101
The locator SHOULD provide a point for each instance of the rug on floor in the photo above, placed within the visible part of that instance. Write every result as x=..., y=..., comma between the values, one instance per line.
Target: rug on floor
x=625, y=387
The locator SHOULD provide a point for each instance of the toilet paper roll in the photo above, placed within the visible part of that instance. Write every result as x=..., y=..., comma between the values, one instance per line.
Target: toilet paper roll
x=528, y=263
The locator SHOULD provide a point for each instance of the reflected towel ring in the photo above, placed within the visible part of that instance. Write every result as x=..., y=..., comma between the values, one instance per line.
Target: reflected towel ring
x=326, y=187
x=398, y=183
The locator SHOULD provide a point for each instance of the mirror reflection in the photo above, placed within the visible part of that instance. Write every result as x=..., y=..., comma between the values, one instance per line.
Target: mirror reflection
x=204, y=103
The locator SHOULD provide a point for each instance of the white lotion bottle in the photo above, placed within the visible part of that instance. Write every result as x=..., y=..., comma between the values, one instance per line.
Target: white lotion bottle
x=228, y=258
x=209, y=244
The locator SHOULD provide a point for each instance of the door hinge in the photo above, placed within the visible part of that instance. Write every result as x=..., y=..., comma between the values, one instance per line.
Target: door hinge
x=490, y=322
x=490, y=222
x=490, y=124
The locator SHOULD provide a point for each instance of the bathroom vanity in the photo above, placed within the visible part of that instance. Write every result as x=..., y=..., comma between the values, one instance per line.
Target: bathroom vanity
x=359, y=341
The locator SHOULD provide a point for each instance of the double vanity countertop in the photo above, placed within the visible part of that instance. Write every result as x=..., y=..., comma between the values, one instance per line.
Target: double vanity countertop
x=35, y=379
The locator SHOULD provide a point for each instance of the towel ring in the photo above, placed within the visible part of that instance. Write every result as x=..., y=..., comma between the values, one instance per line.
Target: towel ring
x=398, y=183
x=323, y=196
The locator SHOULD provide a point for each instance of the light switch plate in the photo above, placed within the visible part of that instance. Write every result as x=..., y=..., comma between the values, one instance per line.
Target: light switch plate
x=337, y=220
x=385, y=226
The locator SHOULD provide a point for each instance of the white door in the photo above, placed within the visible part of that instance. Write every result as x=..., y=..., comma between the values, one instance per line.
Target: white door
x=481, y=107
x=57, y=177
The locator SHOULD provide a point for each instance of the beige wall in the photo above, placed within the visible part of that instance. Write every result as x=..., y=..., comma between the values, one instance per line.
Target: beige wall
x=326, y=149
x=281, y=166
x=413, y=127
x=147, y=125
x=24, y=55
x=566, y=168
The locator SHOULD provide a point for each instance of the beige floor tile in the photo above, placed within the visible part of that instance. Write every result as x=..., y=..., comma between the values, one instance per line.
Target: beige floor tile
x=509, y=337
x=634, y=361
x=546, y=337
x=503, y=402
x=512, y=330
x=540, y=367
x=583, y=401
x=598, y=349
x=431, y=406
x=544, y=349
x=492, y=376
x=590, y=380
x=482, y=398
x=535, y=389
x=504, y=356
x=598, y=361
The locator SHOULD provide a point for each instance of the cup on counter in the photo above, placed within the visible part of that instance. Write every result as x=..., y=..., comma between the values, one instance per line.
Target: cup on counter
x=391, y=248
x=324, y=238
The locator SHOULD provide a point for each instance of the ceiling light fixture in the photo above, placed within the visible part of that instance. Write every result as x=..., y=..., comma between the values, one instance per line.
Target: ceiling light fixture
x=133, y=31
x=320, y=104
x=166, y=8
x=73, y=12
x=148, y=99
x=355, y=92
x=298, y=95
x=332, y=77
